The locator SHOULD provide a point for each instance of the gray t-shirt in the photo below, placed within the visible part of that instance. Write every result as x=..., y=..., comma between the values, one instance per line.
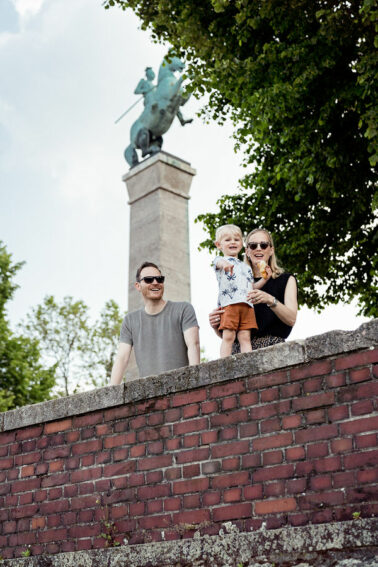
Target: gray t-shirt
x=158, y=340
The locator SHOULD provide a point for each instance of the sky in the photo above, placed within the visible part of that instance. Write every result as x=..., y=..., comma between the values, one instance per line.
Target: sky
x=69, y=69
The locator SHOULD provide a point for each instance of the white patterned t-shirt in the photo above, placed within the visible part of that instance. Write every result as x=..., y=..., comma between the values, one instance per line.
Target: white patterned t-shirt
x=233, y=288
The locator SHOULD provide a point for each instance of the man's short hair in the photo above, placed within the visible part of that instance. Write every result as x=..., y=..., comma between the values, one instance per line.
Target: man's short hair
x=145, y=265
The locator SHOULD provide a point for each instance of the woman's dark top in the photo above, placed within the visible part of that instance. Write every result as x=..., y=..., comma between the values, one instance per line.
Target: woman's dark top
x=267, y=320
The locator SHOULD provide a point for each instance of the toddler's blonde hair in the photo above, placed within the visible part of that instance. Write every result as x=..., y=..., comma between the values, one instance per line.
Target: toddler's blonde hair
x=226, y=229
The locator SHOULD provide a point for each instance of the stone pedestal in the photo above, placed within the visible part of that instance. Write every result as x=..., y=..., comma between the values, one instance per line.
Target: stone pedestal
x=158, y=197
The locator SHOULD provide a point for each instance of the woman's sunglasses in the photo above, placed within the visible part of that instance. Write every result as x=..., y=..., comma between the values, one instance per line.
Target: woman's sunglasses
x=254, y=245
x=150, y=279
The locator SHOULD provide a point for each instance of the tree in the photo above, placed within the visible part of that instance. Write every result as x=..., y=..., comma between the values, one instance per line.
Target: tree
x=23, y=379
x=298, y=78
x=82, y=352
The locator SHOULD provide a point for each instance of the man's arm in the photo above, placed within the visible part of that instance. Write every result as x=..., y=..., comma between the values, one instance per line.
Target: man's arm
x=191, y=338
x=120, y=363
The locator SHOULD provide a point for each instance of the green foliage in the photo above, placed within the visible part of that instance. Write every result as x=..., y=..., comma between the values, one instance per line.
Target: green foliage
x=82, y=352
x=26, y=553
x=23, y=379
x=299, y=80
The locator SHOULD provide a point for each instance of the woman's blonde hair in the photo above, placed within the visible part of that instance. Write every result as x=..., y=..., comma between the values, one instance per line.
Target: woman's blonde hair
x=273, y=263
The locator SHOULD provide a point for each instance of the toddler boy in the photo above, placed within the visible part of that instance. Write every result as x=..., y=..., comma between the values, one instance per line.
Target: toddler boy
x=235, y=280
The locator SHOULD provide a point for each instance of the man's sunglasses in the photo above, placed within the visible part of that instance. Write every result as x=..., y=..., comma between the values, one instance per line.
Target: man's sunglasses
x=254, y=245
x=150, y=279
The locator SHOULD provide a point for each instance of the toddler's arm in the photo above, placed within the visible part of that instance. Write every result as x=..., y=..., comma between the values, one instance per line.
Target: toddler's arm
x=224, y=265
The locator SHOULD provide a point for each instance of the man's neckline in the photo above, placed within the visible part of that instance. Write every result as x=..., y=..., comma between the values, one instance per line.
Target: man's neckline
x=157, y=312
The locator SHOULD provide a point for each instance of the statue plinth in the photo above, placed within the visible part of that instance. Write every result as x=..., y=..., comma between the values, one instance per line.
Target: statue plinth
x=158, y=191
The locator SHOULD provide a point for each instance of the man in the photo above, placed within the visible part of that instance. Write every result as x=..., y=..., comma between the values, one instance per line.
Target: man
x=164, y=334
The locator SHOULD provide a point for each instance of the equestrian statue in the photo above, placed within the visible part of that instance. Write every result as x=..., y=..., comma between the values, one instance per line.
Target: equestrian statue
x=161, y=104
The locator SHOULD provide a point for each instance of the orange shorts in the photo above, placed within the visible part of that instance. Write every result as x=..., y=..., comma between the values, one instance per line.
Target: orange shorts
x=238, y=317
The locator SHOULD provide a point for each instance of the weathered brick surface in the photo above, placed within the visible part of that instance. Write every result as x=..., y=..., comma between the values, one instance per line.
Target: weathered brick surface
x=289, y=447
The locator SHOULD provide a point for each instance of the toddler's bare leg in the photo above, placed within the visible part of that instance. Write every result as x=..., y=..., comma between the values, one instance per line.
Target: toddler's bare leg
x=244, y=338
x=228, y=338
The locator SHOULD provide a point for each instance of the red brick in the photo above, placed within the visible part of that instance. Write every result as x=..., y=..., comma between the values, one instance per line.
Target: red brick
x=238, y=416
x=315, y=416
x=190, y=411
x=234, y=479
x=156, y=418
x=155, y=448
x=295, y=453
x=118, y=469
x=189, y=486
x=269, y=395
x=138, y=422
x=338, y=413
x=315, y=369
x=341, y=445
x=184, y=399
x=253, y=492
x=85, y=474
x=280, y=440
x=119, y=440
x=313, y=385
x=172, y=504
x=27, y=471
x=269, y=410
x=291, y=421
x=251, y=461
x=270, y=425
x=342, y=479
x=315, y=401
x=275, y=506
x=233, y=448
x=81, y=421
x=29, y=432
x=231, y=464
x=193, y=455
x=38, y=523
x=172, y=415
x=361, y=459
x=308, y=501
x=173, y=473
x=290, y=390
x=234, y=512
x=272, y=458
x=232, y=495
x=228, y=433
x=274, y=489
x=249, y=399
x=118, y=413
x=328, y=464
x=366, y=391
x=367, y=440
x=149, y=463
x=211, y=467
x=55, y=480
x=87, y=447
x=323, y=482
x=55, y=466
x=190, y=426
x=229, y=403
x=191, y=501
x=267, y=380
x=172, y=444
x=336, y=380
x=191, y=470
x=360, y=375
x=227, y=389
x=190, y=441
x=7, y=437
x=137, y=508
x=248, y=429
x=151, y=492
x=192, y=517
x=361, y=408
x=56, y=426
x=304, y=468
x=296, y=485
x=211, y=498
x=356, y=359
x=153, y=477
x=6, y=463
x=315, y=433
x=209, y=407
x=209, y=437
x=359, y=425
x=137, y=451
x=370, y=475
x=26, y=485
x=273, y=473
x=24, y=511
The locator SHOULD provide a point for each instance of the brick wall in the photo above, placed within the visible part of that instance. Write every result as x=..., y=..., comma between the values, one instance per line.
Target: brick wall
x=276, y=436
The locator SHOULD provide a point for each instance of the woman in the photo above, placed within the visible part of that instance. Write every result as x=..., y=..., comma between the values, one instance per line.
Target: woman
x=276, y=303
